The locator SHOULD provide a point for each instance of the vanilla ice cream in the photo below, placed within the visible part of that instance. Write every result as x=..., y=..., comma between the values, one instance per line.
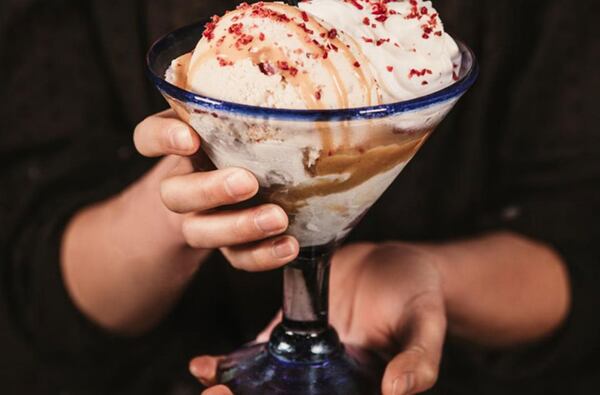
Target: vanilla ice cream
x=324, y=54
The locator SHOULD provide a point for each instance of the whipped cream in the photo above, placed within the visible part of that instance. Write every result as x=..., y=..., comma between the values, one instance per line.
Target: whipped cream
x=409, y=51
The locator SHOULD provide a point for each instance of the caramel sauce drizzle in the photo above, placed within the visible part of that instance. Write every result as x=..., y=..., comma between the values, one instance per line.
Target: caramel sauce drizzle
x=359, y=166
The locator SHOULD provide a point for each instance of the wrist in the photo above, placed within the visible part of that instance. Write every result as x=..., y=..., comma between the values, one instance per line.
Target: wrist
x=446, y=259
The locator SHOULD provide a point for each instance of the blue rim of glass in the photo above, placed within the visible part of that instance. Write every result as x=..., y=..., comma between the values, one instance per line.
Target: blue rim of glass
x=183, y=40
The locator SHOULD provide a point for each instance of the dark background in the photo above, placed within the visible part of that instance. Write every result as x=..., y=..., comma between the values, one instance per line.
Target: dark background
x=520, y=152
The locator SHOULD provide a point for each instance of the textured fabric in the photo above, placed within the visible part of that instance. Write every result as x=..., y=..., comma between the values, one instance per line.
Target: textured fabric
x=519, y=152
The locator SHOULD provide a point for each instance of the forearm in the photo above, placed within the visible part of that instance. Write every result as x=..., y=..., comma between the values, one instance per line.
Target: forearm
x=120, y=266
x=503, y=289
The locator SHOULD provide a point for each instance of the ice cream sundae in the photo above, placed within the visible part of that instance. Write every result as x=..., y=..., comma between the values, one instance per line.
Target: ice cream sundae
x=321, y=55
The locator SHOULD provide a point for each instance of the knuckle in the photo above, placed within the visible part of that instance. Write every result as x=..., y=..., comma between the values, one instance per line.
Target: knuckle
x=260, y=259
x=243, y=227
x=189, y=231
x=417, y=349
x=238, y=259
x=208, y=194
x=169, y=197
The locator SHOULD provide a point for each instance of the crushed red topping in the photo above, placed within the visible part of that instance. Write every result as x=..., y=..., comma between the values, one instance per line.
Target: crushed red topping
x=306, y=30
x=224, y=62
x=210, y=27
x=381, y=41
x=419, y=73
x=266, y=68
x=236, y=29
x=356, y=64
x=285, y=66
x=245, y=39
x=259, y=10
x=355, y=4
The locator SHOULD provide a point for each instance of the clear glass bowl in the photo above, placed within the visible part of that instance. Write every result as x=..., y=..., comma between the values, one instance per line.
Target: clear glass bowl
x=326, y=168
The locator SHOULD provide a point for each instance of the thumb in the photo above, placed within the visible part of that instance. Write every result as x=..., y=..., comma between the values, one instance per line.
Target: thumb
x=416, y=368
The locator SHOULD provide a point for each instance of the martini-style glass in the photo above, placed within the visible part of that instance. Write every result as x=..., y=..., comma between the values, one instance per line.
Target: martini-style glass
x=326, y=169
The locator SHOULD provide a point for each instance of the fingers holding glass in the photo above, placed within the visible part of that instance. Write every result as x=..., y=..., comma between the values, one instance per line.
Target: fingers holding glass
x=416, y=368
x=204, y=191
x=230, y=228
x=163, y=134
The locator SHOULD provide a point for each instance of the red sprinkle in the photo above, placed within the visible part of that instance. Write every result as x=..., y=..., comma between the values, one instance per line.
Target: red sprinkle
x=259, y=10
x=390, y=68
x=245, y=39
x=224, y=62
x=210, y=27
x=303, y=27
x=332, y=34
x=379, y=9
x=419, y=73
x=356, y=64
x=366, y=21
x=355, y=4
x=261, y=36
x=266, y=68
x=283, y=65
x=304, y=16
x=236, y=29
x=318, y=95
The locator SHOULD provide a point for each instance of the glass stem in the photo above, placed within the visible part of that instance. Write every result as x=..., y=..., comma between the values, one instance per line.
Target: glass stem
x=304, y=334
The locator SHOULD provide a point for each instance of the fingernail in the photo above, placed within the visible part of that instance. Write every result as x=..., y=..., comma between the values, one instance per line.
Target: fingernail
x=283, y=248
x=239, y=183
x=181, y=139
x=270, y=220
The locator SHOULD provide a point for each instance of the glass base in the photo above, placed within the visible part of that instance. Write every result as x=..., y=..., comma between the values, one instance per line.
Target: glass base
x=255, y=370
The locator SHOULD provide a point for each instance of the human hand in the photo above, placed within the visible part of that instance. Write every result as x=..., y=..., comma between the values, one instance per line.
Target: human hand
x=250, y=238
x=386, y=298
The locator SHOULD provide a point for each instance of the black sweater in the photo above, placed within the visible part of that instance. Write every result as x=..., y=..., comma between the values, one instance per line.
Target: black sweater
x=520, y=152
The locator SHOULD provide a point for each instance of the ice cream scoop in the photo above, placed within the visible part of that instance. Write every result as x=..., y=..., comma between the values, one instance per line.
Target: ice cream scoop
x=276, y=55
x=323, y=54
x=407, y=48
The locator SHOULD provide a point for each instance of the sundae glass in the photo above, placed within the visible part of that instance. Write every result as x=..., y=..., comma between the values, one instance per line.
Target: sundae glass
x=325, y=168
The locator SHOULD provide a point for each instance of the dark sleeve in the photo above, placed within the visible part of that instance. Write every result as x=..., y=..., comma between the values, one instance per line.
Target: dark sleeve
x=546, y=184
x=63, y=145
